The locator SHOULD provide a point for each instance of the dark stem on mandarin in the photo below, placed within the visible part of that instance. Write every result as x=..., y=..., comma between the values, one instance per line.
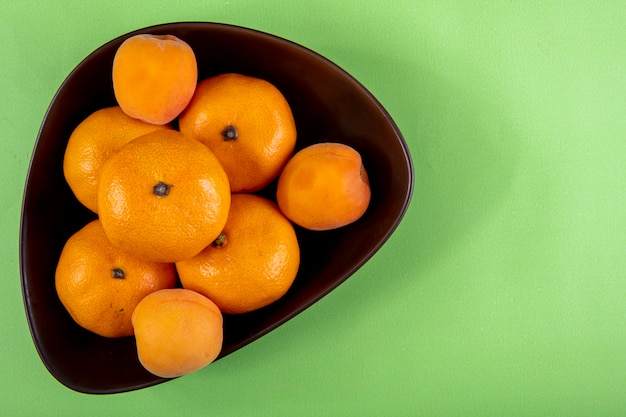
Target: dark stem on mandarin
x=220, y=241
x=161, y=189
x=118, y=273
x=230, y=133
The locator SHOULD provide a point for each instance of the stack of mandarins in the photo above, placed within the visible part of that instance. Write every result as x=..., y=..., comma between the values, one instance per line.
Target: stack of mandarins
x=181, y=235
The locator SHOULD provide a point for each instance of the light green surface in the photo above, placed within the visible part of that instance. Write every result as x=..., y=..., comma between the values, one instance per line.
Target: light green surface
x=502, y=293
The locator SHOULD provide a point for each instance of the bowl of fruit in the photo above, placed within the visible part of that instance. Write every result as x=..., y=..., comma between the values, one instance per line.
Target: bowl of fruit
x=192, y=187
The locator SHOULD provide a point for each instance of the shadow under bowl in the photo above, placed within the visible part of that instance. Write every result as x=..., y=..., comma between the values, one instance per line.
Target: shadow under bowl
x=328, y=105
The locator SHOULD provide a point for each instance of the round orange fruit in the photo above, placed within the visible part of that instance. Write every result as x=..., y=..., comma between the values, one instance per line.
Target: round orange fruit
x=100, y=285
x=247, y=123
x=154, y=77
x=92, y=142
x=177, y=331
x=324, y=186
x=163, y=197
x=252, y=263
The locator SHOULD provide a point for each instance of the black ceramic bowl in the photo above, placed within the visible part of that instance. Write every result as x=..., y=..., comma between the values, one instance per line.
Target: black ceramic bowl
x=328, y=105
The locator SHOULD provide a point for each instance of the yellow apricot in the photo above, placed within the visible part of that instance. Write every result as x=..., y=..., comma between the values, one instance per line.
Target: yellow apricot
x=324, y=186
x=177, y=331
x=154, y=77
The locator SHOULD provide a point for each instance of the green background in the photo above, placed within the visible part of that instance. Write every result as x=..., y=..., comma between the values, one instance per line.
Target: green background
x=503, y=291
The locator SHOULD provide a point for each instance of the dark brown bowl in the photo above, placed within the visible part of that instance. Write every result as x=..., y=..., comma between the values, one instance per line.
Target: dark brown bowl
x=328, y=105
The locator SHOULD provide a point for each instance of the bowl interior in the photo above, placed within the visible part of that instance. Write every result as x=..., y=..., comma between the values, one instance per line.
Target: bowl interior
x=328, y=105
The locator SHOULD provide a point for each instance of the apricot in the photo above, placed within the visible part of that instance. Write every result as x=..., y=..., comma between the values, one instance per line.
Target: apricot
x=154, y=77
x=324, y=186
x=177, y=331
